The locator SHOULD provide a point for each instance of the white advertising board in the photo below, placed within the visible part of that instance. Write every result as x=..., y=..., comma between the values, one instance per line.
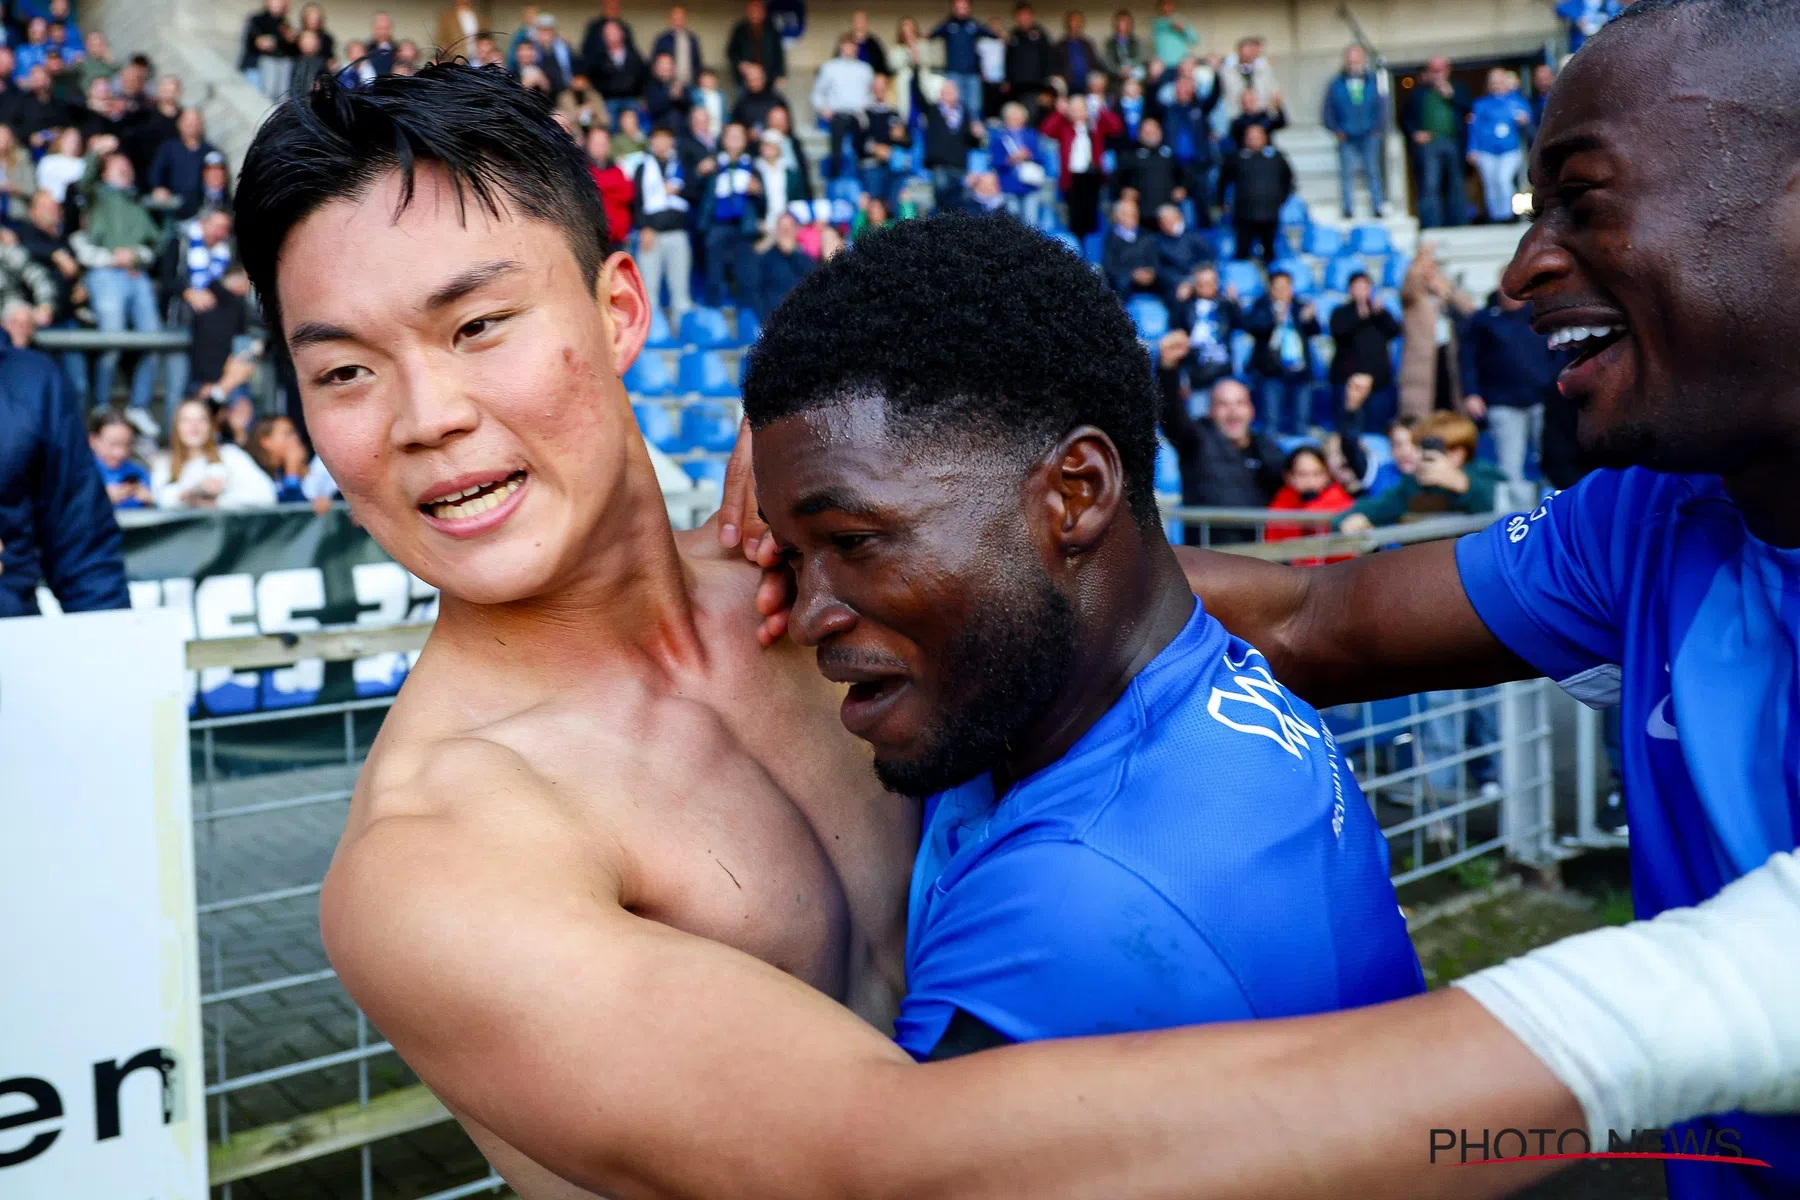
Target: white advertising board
x=101, y=1073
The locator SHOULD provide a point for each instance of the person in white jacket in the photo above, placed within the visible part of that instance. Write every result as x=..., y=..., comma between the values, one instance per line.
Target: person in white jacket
x=842, y=92
x=199, y=472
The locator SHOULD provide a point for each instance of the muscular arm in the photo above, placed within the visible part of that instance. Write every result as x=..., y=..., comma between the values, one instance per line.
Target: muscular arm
x=1387, y=624
x=635, y=1061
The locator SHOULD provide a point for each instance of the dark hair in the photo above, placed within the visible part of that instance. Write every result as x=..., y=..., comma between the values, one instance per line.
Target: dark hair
x=498, y=141
x=1356, y=275
x=1287, y=275
x=1300, y=452
x=971, y=327
x=104, y=418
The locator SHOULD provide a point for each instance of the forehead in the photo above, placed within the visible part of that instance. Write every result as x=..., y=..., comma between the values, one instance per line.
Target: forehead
x=1640, y=93
x=852, y=449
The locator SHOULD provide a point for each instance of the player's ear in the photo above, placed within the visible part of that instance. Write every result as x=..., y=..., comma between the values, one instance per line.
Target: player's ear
x=619, y=291
x=1083, y=490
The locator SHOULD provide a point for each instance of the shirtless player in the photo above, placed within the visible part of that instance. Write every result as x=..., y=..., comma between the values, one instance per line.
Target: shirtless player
x=599, y=853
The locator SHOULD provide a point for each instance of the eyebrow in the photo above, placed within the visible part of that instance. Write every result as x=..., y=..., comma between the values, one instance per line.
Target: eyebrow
x=313, y=333
x=1551, y=157
x=832, y=500
x=474, y=278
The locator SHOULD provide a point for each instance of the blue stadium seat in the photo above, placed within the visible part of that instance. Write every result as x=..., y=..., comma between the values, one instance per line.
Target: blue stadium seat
x=709, y=426
x=1339, y=270
x=1329, y=302
x=1378, y=449
x=748, y=327
x=1093, y=246
x=846, y=188
x=661, y=336
x=1371, y=239
x=1224, y=243
x=1295, y=214
x=704, y=373
x=1326, y=241
x=649, y=376
x=1242, y=344
x=705, y=328
x=658, y=426
x=1068, y=239
x=1389, y=298
x=979, y=161
x=1304, y=283
x=1395, y=272
x=1168, y=467
x=1244, y=275
x=706, y=470
x=1322, y=350
x=1150, y=316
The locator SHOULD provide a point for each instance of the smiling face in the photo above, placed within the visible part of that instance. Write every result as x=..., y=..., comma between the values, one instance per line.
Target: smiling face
x=111, y=444
x=489, y=373
x=921, y=585
x=1665, y=251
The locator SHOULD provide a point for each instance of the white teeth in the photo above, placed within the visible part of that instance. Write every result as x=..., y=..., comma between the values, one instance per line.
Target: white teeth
x=1581, y=333
x=467, y=503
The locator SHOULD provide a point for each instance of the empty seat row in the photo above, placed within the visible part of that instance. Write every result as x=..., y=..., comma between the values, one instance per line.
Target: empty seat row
x=704, y=328
x=710, y=427
x=697, y=373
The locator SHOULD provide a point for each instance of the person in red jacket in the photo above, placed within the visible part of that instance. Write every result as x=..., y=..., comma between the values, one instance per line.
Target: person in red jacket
x=616, y=189
x=1309, y=487
x=1082, y=137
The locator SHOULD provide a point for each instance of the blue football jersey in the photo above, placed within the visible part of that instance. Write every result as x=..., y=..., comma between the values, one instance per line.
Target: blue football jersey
x=1648, y=592
x=1201, y=854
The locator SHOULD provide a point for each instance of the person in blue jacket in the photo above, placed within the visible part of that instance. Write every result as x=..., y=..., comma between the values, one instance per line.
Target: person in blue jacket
x=1356, y=114
x=962, y=65
x=56, y=524
x=1498, y=125
x=1585, y=18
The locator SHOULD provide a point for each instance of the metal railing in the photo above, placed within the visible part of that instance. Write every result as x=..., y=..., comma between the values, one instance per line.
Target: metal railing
x=297, y=1079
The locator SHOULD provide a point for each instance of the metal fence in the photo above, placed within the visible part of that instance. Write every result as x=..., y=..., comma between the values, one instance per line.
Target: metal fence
x=306, y=1099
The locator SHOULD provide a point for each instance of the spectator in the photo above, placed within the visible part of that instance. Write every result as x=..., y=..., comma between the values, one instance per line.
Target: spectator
x=56, y=525
x=1585, y=18
x=554, y=52
x=358, y=70
x=1224, y=463
x=127, y=482
x=43, y=112
x=312, y=18
x=682, y=47
x=64, y=165
x=18, y=321
x=871, y=214
x=96, y=64
x=1257, y=110
x=906, y=61
x=18, y=178
x=149, y=126
x=1076, y=56
x=1131, y=106
x=1283, y=327
x=1509, y=375
x=215, y=182
x=1263, y=181
x=781, y=184
x=1172, y=39
x=758, y=97
x=1356, y=114
x=199, y=472
x=458, y=25
x=1247, y=70
x=1180, y=251
x=12, y=95
x=782, y=265
x=133, y=83
x=1030, y=59
x=793, y=155
x=1081, y=139
x=1403, y=457
x=117, y=248
x=1362, y=333
x=1148, y=171
x=1543, y=78
x=581, y=106
x=660, y=212
x=615, y=187
x=729, y=216
x=1431, y=303
x=1013, y=146
x=267, y=58
x=618, y=71
x=382, y=51
x=1498, y=125
x=843, y=90
x=666, y=98
x=1209, y=317
x=628, y=140
x=887, y=131
x=1123, y=53
x=236, y=415
x=984, y=194
x=43, y=239
x=754, y=40
x=1344, y=451
x=868, y=47
x=1447, y=479
x=1307, y=486
x=175, y=171
x=1128, y=259
x=959, y=33
x=951, y=131
x=310, y=61
x=276, y=447
x=214, y=301
x=698, y=148
x=1435, y=118
x=708, y=96
x=35, y=48
x=27, y=281
x=532, y=76
x=1187, y=128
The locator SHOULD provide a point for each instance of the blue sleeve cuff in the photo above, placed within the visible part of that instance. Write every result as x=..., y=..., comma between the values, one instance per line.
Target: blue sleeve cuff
x=1494, y=592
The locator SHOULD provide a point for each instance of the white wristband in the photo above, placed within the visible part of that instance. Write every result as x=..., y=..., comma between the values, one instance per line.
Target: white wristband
x=1692, y=1013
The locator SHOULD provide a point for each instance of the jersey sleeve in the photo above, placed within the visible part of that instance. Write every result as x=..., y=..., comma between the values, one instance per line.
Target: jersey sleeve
x=1052, y=939
x=1549, y=583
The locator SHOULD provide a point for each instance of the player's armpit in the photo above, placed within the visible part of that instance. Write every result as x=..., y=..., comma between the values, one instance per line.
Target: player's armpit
x=1386, y=624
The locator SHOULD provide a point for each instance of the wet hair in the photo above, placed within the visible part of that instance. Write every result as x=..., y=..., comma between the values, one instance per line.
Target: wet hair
x=497, y=140
x=975, y=329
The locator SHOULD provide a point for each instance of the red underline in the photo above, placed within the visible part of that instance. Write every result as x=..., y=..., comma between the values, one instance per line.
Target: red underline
x=1733, y=1160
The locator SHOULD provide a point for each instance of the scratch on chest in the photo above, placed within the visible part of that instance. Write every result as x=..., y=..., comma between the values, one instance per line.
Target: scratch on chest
x=727, y=871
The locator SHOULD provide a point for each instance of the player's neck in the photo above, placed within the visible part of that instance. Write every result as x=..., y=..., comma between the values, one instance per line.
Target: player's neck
x=628, y=601
x=1134, y=622
x=1764, y=492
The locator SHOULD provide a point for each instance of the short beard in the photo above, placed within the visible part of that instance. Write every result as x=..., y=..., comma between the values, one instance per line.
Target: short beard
x=1013, y=659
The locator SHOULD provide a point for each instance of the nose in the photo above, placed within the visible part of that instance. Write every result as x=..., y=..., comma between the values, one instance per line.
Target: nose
x=818, y=613
x=1538, y=265
x=432, y=408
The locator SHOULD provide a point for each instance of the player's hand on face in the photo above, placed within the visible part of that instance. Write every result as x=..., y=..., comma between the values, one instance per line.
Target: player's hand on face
x=775, y=594
x=740, y=520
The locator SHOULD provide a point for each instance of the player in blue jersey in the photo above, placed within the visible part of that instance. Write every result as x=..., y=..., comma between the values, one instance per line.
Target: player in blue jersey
x=1132, y=825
